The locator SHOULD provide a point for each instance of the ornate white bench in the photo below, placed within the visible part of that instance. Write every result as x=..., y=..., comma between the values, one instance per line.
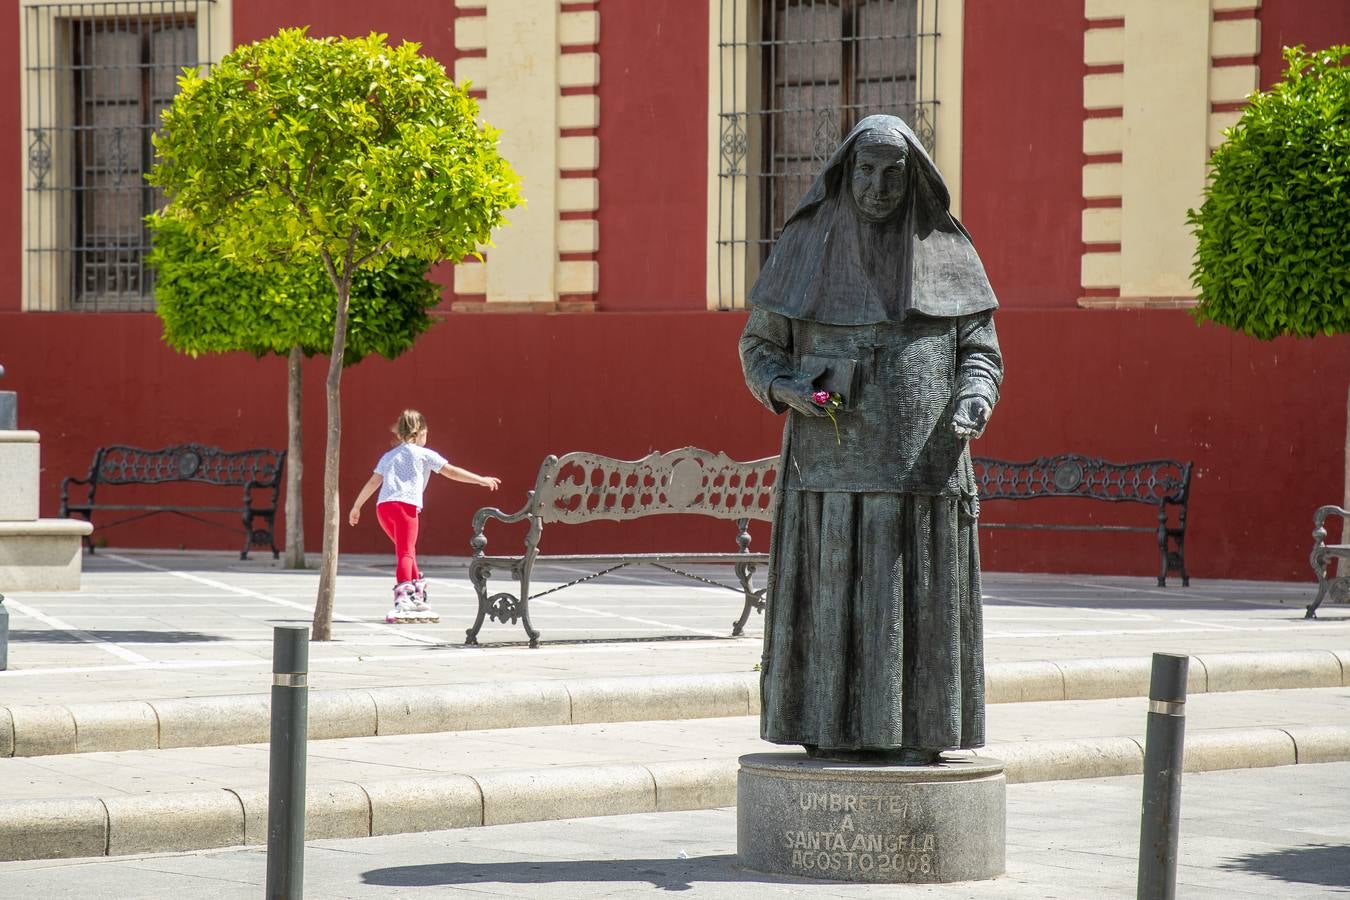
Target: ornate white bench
x=586, y=487
x=1336, y=587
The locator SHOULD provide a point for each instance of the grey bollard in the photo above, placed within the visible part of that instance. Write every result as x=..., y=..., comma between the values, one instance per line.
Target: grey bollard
x=4, y=635
x=1161, y=818
x=286, y=773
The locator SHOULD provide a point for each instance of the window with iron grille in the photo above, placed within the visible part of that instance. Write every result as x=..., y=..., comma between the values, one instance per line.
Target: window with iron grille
x=795, y=76
x=98, y=76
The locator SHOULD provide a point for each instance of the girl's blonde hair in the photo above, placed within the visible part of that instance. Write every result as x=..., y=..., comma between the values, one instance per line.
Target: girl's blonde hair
x=410, y=424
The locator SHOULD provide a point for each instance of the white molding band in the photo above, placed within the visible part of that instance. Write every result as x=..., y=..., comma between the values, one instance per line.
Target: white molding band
x=1232, y=41
x=521, y=64
x=1162, y=82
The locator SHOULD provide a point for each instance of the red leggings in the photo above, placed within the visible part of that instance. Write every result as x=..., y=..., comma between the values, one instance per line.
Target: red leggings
x=399, y=521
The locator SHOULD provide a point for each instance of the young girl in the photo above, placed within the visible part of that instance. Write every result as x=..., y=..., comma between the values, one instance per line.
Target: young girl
x=401, y=476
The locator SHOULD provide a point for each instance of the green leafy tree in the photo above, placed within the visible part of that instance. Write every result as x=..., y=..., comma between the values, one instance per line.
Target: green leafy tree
x=1273, y=235
x=344, y=150
x=210, y=305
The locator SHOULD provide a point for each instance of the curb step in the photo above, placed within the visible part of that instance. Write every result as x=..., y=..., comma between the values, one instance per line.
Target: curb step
x=27, y=731
x=200, y=820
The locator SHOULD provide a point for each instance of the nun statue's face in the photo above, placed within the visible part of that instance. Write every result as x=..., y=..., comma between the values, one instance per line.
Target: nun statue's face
x=878, y=180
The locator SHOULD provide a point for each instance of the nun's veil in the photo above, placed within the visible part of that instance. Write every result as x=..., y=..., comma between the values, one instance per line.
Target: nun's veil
x=833, y=267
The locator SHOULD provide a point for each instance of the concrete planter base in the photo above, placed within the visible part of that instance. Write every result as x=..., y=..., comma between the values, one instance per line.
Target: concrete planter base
x=41, y=555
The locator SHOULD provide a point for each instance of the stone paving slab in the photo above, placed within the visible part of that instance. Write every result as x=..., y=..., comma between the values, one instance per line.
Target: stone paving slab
x=157, y=625
x=1274, y=833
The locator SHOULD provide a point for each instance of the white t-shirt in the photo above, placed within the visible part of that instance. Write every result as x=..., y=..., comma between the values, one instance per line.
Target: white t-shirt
x=406, y=469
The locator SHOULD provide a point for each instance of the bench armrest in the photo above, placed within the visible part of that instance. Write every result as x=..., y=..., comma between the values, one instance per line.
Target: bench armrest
x=266, y=485
x=479, y=541
x=65, y=491
x=1320, y=518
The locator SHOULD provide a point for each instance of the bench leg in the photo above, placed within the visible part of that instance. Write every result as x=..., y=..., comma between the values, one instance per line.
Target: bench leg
x=479, y=573
x=1321, y=563
x=1180, y=558
x=523, y=603
x=1162, y=549
x=1311, y=611
x=1172, y=561
x=499, y=607
x=88, y=539
x=525, y=620
x=753, y=599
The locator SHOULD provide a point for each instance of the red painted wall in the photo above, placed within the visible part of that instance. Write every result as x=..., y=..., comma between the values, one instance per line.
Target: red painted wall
x=503, y=391
x=1286, y=23
x=1022, y=146
x=429, y=24
x=653, y=155
x=500, y=392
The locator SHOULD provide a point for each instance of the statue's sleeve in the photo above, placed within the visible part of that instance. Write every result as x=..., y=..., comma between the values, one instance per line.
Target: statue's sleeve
x=979, y=370
x=766, y=347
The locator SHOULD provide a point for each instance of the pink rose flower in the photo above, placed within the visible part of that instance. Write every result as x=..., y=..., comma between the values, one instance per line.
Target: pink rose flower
x=821, y=397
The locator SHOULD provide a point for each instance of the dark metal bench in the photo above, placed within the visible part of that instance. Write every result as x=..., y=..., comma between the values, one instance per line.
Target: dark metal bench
x=1160, y=483
x=585, y=487
x=254, y=470
x=1337, y=587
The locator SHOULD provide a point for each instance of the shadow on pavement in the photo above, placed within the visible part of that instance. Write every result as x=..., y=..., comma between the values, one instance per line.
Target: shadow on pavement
x=112, y=637
x=664, y=874
x=1324, y=864
x=570, y=642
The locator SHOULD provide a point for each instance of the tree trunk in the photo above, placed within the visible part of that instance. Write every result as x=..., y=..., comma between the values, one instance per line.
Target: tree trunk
x=323, y=605
x=295, y=467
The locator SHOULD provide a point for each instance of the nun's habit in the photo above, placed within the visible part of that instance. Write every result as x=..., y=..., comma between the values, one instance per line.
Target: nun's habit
x=873, y=637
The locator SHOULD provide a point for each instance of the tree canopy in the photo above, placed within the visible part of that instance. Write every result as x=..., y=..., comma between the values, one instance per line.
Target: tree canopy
x=1273, y=235
x=208, y=304
x=296, y=148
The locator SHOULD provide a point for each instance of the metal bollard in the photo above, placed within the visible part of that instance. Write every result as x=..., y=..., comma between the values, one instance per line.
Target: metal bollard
x=286, y=775
x=1161, y=819
x=4, y=635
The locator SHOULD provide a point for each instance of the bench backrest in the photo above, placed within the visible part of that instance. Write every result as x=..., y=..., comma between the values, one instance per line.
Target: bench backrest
x=1155, y=481
x=186, y=462
x=583, y=487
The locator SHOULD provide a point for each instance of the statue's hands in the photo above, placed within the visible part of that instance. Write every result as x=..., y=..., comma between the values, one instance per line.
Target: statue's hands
x=796, y=393
x=972, y=414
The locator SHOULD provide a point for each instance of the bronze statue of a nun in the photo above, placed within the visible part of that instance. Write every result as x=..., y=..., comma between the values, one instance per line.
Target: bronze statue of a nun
x=873, y=645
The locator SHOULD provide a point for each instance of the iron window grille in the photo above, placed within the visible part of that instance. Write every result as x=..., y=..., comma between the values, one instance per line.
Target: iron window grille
x=794, y=77
x=98, y=75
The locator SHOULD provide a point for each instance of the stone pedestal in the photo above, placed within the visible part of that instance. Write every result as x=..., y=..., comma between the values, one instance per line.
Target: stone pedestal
x=18, y=476
x=35, y=554
x=871, y=823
